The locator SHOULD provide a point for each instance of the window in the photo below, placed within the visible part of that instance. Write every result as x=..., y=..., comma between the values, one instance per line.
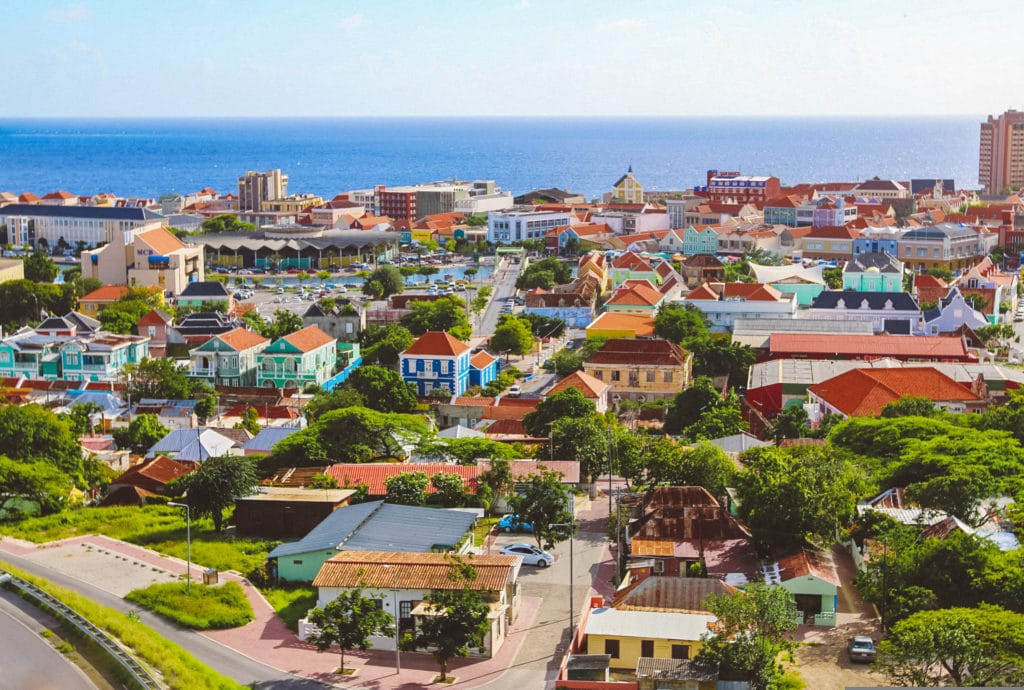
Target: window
x=151, y=330
x=297, y=562
x=647, y=648
x=611, y=648
x=651, y=376
x=615, y=376
x=680, y=651
x=669, y=376
x=598, y=374
x=379, y=603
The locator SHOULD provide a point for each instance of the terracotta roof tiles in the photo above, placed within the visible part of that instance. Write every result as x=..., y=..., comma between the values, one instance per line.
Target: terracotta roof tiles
x=437, y=343
x=242, y=338
x=309, y=338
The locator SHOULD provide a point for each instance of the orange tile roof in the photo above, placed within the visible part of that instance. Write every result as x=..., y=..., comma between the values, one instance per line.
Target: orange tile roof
x=375, y=474
x=482, y=359
x=376, y=569
x=867, y=346
x=437, y=343
x=639, y=295
x=864, y=392
x=242, y=338
x=161, y=241
x=635, y=323
x=309, y=338
x=810, y=562
x=107, y=293
x=586, y=384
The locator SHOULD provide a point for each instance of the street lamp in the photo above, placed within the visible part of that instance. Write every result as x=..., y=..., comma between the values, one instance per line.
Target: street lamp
x=571, y=525
x=188, y=541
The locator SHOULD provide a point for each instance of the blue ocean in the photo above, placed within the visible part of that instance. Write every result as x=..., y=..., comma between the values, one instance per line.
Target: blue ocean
x=150, y=157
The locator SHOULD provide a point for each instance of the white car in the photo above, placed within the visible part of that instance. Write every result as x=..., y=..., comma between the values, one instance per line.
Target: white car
x=531, y=554
x=515, y=391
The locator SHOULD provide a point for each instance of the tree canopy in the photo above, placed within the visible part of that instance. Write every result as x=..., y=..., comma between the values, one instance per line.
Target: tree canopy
x=163, y=378
x=569, y=403
x=348, y=621
x=407, y=488
x=383, y=345
x=512, y=335
x=544, y=502
x=382, y=389
x=388, y=278
x=226, y=222
x=545, y=273
x=445, y=314
x=40, y=268
x=216, y=485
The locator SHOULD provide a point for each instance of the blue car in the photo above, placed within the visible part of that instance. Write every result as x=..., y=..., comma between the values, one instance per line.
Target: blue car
x=512, y=523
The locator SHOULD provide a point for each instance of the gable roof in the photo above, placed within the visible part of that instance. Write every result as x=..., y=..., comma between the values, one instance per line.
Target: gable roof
x=309, y=338
x=569, y=470
x=874, y=301
x=86, y=212
x=429, y=571
x=194, y=445
x=881, y=261
x=267, y=438
x=638, y=293
x=586, y=384
x=437, y=343
x=376, y=474
x=809, y=562
x=155, y=473
x=827, y=345
x=207, y=288
x=864, y=392
x=380, y=526
x=640, y=325
x=656, y=351
x=161, y=240
x=670, y=594
x=242, y=338
x=107, y=293
x=482, y=360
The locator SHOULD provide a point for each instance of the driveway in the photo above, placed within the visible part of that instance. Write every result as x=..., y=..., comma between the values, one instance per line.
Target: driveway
x=822, y=660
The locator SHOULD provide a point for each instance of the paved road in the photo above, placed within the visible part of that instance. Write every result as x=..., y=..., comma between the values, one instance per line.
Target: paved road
x=504, y=283
x=241, y=668
x=27, y=660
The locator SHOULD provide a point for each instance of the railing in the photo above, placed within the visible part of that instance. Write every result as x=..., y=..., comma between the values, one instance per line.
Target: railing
x=108, y=643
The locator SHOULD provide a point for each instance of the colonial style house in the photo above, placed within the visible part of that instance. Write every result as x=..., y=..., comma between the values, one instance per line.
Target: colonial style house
x=896, y=313
x=635, y=297
x=345, y=321
x=702, y=240
x=592, y=389
x=228, y=359
x=155, y=325
x=723, y=303
x=702, y=268
x=206, y=296
x=944, y=245
x=307, y=356
x=951, y=313
x=436, y=360
x=865, y=392
x=830, y=243
x=641, y=369
x=987, y=283
x=483, y=368
x=873, y=272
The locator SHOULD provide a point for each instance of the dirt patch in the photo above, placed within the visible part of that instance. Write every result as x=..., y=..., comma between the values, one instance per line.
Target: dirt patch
x=826, y=667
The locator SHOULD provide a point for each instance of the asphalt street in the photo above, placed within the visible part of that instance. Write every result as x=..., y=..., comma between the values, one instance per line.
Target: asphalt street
x=28, y=661
x=232, y=664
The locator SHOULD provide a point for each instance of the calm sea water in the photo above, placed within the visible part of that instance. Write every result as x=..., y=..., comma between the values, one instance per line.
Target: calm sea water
x=326, y=156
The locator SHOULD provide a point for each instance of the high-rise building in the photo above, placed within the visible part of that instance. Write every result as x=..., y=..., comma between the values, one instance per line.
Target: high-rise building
x=1001, y=152
x=256, y=187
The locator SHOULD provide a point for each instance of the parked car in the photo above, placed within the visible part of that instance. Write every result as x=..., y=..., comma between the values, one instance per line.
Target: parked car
x=512, y=523
x=530, y=554
x=515, y=391
x=861, y=648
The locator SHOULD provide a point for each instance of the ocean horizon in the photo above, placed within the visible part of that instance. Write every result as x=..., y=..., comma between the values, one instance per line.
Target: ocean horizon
x=324, y=156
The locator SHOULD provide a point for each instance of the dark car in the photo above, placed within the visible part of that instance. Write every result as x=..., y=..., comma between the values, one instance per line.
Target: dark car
x=861, y=648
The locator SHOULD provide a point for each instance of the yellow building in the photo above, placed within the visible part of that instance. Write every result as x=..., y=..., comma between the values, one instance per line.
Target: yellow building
x=11, y=269
x=296, y=203
x=627, y=190
x=628, y=635
x=614, y=325
x=641, y=370
x=93, y=303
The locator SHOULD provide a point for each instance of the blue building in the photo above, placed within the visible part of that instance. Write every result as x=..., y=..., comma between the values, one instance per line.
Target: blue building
x=483, y=368
x=436, y=360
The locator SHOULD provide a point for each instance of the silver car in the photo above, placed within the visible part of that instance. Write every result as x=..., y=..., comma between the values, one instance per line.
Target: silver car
x=530, y=554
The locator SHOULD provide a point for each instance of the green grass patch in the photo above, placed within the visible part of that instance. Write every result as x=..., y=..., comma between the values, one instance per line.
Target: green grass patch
x=291, y=603
x=199, y=608
x=483, y=527
x=180, y=669
x=156, y=527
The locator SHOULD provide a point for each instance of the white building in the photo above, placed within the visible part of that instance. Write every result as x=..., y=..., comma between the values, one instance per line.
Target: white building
x=92, y=225
x=525, y=224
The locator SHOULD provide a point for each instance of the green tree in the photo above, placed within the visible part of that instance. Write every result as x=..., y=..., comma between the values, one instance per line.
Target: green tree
x=791, y=423
x=390, y=280
x=459, y=623
x=497, y=479
x=206, y=406
x=466, y=451
x=833, y=278
x=569, y=403
x=959, y=646
x=512, y=335
x=41, y=482
x=678, y=323
x=704, y=465
x=581, y=439
x=324, y=401
x=564, y=362
x=161, y=378
x=545, y=274
x=445, y=314
x=382, y=389
x=141, y=434
x=718, y=422
x=787, y=496
x=284, y=323
x=543, y=502
x=688, y=405
x=750, y=632
x=348, y=622
x=226, y=223
x=215, y=486
x=31, y=434
x=543, y=326
x=910, y=406
x=40, y=268
x=80, y=417
x=720, y=357
x=250, y=421
x=407, y=488
x=450, y=488
x=373, y=289
x=383, y=345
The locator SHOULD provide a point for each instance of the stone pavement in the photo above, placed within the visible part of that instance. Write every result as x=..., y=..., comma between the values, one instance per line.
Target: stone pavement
x=118, y=567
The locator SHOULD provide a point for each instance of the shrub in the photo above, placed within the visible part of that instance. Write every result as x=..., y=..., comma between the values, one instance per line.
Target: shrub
x=201, y=608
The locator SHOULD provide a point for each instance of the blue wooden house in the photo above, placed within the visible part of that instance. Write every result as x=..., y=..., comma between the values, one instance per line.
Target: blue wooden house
x=436, y=360
x=483, y=368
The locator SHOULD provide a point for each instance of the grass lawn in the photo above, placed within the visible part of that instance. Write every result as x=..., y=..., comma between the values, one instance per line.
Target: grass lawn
x=180, y=670
x=483, y=527
x=156, y=527
x=291, y=603
x=199, y=608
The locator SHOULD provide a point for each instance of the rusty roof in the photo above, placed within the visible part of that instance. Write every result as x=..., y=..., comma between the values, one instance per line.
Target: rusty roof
x=670, y=594
x=412, y=570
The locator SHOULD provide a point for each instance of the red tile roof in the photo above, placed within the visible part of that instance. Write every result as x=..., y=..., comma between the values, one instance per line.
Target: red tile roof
x=437, y=343
x=826, y=346
x=653, y=351
x=107, y=293
x=309, y=338
x=374, y=475
x=638, y=324
x=161, y=241
x=583, y=382
x=242, y=338
x=864, y=392
x=636, y=293
x=156, y=473
x=482, y=359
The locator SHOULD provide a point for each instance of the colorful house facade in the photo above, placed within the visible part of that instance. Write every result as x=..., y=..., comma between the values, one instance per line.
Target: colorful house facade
x=702, y=240
x=436, y=360
x=483, y=368
x=228, y=359
x=307, y=356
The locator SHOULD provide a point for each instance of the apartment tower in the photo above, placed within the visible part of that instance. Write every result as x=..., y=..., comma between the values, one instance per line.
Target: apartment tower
x=1001, y=152
x=256, y=187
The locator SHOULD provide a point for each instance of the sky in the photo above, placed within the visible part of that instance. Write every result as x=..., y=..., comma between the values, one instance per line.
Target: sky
x=323, y=58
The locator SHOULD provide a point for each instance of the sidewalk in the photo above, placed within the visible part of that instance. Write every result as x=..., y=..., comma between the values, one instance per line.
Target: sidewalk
x=268, y=641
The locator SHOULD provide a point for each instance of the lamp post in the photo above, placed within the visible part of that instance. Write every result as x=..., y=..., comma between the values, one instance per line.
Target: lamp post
x=571, y=525
x=188, y=541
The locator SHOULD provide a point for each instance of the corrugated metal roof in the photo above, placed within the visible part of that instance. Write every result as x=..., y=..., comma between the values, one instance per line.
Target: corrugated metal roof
x=669, y=626
x=412, y=570
x=331, y=531
x=670, y=594
x=267, y=438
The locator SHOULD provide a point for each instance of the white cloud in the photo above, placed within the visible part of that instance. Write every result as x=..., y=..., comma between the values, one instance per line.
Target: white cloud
x=624, y=24
x=70, y=13
x=353, y=21
x=522, y=5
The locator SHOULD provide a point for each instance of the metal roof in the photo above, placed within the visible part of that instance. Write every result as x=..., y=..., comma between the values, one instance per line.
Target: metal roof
x=267, y=438
x=669, y=626
x=86, y=212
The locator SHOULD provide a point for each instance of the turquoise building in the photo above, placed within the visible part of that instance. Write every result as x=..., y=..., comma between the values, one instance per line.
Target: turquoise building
x=307, y=356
